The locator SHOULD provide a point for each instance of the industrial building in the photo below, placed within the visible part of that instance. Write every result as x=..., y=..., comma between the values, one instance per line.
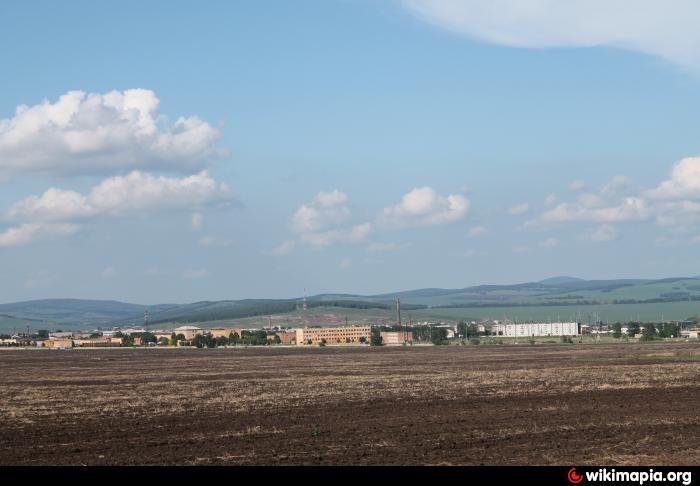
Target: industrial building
x=332, y=335
x=529, y=329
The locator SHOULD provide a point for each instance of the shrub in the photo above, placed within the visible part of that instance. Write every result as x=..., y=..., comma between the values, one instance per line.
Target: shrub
x=474, y=341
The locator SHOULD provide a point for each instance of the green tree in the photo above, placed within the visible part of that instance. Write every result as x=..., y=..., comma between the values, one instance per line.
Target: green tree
x=42, y=333
x=617, y=330
x=462, y=329
x=669, y=329
x=438, y=335
x=649, y=332
x=148, y=337
x=163, y=341
x=376, y=337
x=277, y=339
x=222, y=341
x=632, y=329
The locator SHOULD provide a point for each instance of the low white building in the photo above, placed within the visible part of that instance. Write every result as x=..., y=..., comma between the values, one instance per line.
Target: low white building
x=530, y=329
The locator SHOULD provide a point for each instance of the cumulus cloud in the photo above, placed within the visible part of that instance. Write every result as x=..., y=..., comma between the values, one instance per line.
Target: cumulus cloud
x=664, y=29
x=95, y=133
x=134, y=193
x=327, y=209
x=354, y=234
x=519, y=209
x=674, y=203
x=30, y=232
x=684, y=182
x=323, y=222
x=589, y=207
x=424, y=207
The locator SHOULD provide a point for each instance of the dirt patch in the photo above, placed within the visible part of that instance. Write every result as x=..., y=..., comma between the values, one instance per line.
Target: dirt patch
x=633, y=404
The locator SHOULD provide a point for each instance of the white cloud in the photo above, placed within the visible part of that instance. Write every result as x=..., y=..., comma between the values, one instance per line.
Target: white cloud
x=327, y=209
x=590, y=208
x=684, y=182
x=476, y=231
x=617, y=185
x=519, y=209
x=30, y=232
x=345, y=263
x=197, y=221
x=665, y=29
x=94, y=133
x=135, y=193
x=330, y=198
x=323, y=221
x=354, y=234
x=577, y=185
x=604, y=232
x=470, y=252
x=424, y=207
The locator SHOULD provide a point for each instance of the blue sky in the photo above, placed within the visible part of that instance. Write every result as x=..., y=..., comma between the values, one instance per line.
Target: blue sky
x=342, y=146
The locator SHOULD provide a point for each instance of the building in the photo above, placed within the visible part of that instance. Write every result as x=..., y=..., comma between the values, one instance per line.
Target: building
x=530, y=329
x=58, y=343
x=188, y=331
x=96, y=342
x=60, y=335
x=690, y=333
x=332, y=335
x=163, y=334
x=396, y=337
x=224, y=331
x=286, y=337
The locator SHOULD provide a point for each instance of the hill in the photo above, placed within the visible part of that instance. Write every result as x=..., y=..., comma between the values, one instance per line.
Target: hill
x=676, y=298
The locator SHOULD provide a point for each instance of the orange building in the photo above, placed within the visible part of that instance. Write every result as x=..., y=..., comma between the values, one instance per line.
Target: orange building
x=332, y=335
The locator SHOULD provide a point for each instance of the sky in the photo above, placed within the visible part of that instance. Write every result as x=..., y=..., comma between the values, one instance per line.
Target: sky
x=171, y=152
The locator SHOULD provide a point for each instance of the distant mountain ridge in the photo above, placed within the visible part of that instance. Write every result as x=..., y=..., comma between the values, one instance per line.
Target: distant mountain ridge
x=560, y=290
